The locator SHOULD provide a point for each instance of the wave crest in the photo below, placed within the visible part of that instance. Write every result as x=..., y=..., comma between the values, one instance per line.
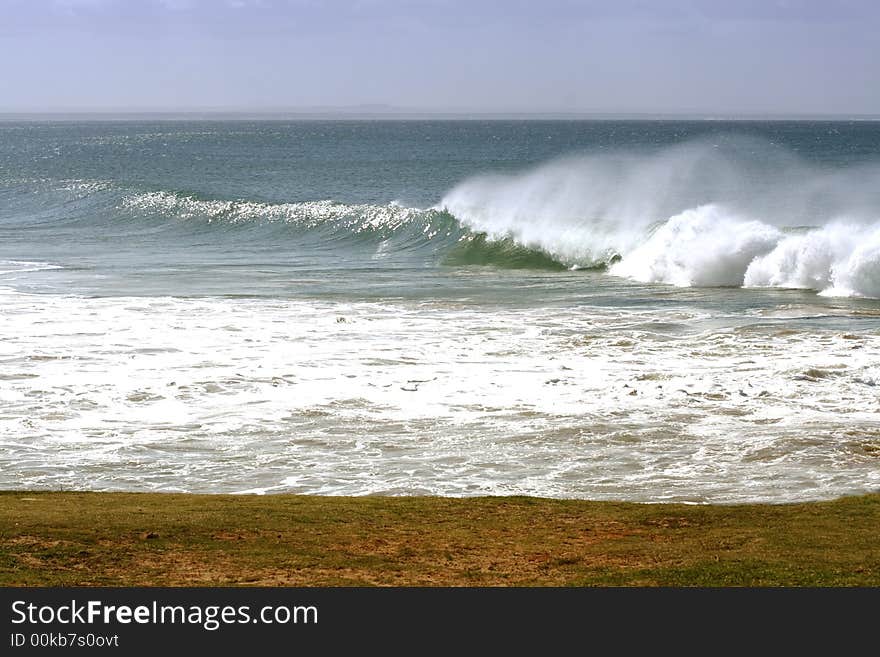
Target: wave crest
x=309, y=214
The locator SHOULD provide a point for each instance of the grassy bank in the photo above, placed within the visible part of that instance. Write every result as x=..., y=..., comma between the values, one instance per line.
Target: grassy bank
x=130, y=539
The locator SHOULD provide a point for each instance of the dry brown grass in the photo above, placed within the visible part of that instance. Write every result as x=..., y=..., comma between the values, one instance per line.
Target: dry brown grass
x=130, y=539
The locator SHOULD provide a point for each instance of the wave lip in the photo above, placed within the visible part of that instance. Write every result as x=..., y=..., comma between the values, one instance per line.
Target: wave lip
x=309, y=214
x=564, y=209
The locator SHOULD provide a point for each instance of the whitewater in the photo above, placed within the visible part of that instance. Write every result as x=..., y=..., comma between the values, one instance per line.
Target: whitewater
x=648, y=311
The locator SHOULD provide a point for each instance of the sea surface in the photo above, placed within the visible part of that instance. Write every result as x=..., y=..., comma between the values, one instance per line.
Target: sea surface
x=629, y=310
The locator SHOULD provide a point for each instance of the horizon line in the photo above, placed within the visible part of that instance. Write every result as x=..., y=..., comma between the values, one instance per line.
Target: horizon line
x=386, y=112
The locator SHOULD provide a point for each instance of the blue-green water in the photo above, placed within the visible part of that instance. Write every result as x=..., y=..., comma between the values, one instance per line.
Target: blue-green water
x=610, y=309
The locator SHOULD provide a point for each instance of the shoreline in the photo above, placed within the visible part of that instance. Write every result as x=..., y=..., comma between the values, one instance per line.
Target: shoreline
x=172, y=539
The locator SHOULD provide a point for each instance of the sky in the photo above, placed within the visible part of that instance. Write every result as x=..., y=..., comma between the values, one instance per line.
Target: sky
x=794, y=57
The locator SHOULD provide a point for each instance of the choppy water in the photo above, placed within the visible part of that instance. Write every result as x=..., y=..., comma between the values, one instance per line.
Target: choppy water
x=619, y=310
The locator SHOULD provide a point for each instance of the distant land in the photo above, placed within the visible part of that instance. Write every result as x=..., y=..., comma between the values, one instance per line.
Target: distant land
x=389, y=112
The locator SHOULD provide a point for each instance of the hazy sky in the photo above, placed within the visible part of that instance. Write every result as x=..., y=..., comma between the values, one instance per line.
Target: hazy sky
x=724, y=56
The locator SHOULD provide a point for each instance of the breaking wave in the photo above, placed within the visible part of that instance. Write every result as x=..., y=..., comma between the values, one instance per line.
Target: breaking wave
x=744, y=214
x=693, y=215
x=433, y=231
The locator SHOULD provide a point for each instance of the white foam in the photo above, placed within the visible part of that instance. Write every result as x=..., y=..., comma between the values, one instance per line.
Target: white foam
x=859, y=273
x=223, y=395
x=837, y=260
x=23, y=266
x=704, y=246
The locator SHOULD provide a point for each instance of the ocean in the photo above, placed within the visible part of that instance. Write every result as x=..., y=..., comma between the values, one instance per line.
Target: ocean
x=625, y=310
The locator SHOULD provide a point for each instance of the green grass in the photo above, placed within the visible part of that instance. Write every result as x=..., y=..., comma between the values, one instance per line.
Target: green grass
x=137, y=539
